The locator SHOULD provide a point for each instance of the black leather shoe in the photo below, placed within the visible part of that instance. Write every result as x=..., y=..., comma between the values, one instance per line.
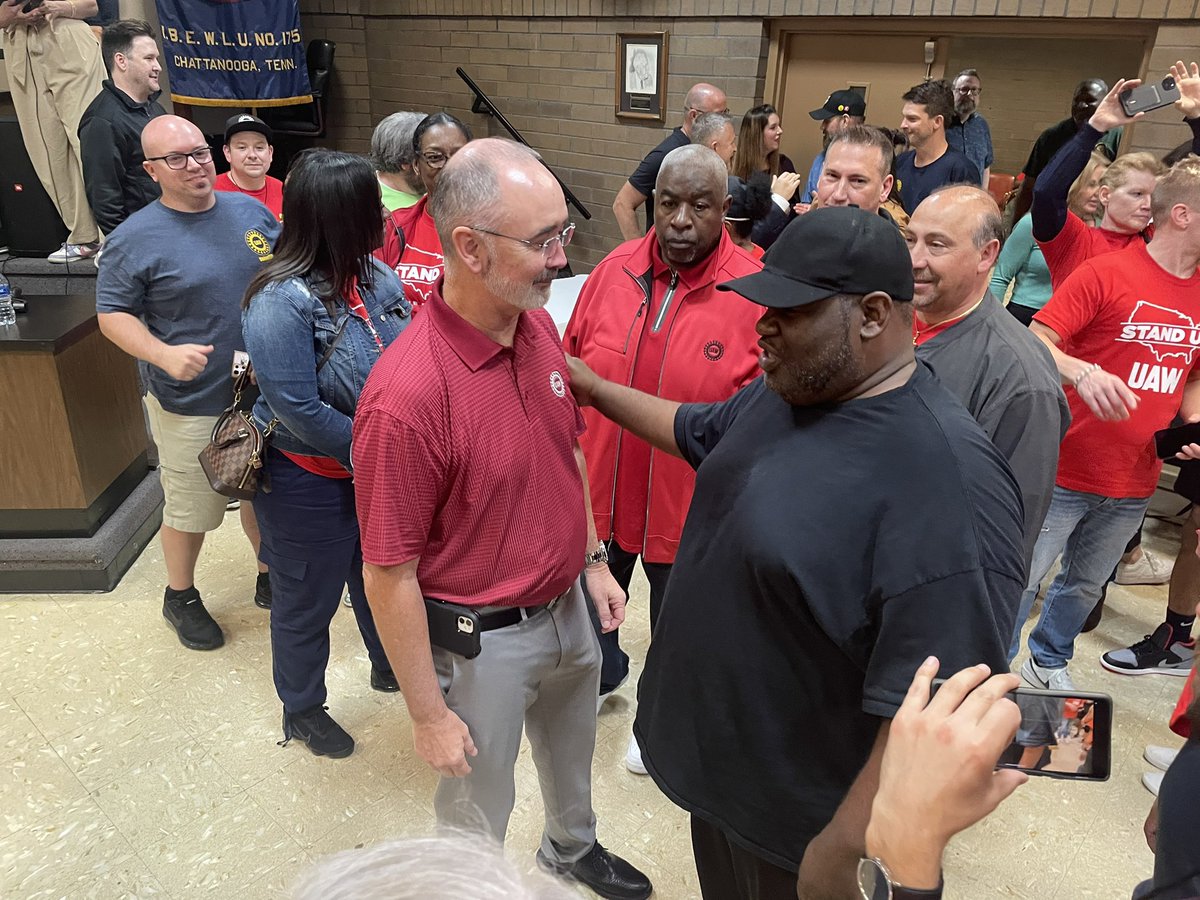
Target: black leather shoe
x=262, y=590
x=316, y=728
x=185, y=613
x=384, y=680
x=605, y=873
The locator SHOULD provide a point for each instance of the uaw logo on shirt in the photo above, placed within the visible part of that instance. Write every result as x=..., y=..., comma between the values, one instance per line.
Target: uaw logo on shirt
x=1169, y=335
x=419, y=277
x=259, y=244
x=557, y=384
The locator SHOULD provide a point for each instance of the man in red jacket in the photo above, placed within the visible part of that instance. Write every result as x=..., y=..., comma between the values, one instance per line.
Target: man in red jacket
x=649, y=316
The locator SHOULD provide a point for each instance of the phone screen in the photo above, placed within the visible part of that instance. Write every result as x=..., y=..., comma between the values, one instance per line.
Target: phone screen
x=1061, y=735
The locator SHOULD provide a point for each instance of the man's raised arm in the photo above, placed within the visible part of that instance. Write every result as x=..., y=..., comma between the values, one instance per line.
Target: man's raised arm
x=650, y=418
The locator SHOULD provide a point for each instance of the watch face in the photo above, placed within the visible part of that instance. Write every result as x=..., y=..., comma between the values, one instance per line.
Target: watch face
x=873, y=881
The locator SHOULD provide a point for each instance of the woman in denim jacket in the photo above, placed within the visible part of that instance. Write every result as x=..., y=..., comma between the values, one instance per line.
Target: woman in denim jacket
x=316, y=319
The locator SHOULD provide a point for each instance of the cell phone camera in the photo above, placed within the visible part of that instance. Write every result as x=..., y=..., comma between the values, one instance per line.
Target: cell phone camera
x=1168, y=83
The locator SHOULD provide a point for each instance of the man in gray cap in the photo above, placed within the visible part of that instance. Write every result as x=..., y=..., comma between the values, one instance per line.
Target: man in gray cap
x=841, y=108
x=850, y=519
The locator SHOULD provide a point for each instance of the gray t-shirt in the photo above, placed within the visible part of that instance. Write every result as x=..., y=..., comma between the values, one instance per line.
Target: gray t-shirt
x=1008, y=382
x=184, y=275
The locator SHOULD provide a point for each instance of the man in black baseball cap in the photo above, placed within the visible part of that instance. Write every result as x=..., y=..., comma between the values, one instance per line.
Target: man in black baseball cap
x=849, y=520
x=841, y=108
x=249, y=152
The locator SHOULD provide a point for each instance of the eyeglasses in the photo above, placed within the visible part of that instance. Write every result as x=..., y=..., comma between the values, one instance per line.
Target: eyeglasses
x=203, y=157
x=563, y=238
x=967, y=90
x=696, y=109
x=435, y=160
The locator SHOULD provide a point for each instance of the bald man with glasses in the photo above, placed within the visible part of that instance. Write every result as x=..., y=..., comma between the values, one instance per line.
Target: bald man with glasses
x=169, y=292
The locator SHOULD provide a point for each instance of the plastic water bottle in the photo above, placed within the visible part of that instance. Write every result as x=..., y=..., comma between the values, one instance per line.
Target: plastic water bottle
x=8, y=315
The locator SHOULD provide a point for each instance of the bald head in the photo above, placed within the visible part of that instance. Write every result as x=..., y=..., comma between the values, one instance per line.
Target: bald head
x=954, y=237
x=170, y=134
x=702, y=98
x=976, y=206
x=502, y=220
x=697, y=163
x=485, y=184
x=691, y=196
x=180, y=161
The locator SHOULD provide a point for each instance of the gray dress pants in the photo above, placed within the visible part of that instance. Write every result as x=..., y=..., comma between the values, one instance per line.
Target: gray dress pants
x=542, y=674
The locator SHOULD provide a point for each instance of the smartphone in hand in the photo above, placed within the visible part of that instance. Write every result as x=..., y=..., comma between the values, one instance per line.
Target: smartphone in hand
x=1062, y=734
x=1146, y=97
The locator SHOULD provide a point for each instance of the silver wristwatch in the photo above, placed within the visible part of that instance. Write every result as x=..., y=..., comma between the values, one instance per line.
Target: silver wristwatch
x=875, y=882
x=599, y=555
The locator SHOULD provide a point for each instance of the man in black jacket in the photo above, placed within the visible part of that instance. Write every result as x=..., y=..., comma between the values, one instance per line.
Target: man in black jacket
x=110, y=133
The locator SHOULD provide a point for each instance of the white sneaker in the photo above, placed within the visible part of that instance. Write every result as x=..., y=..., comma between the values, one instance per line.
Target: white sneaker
x=604, y=698
x=1159, y=757
x=633, y=757
x=73, y=252
x=1149, y=569
x=1152, y=781
x=1047, y=679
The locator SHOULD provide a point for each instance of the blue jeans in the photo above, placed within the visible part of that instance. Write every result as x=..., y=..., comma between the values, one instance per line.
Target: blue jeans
x=1090, y=531
x=310, y=541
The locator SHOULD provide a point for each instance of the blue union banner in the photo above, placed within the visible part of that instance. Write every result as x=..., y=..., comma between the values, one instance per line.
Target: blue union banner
x=234, y=52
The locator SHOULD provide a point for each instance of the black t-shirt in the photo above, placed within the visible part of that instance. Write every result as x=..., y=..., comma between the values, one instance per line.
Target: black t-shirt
x=646, y=173
x=1176, y=862
x=915, y=183
x=827, y=552
x=1054, y=138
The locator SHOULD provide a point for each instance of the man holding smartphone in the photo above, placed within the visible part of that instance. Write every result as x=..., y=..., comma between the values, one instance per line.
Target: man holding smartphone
x=472, y=489
x=1110, y=329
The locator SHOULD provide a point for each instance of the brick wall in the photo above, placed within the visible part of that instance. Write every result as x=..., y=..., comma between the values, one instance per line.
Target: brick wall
x=1027, y=85
x=549, y=65
x=555, y=84
x=350, y=121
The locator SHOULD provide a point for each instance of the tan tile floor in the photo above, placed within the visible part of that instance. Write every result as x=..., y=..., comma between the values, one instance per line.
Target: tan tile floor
x=131, y=767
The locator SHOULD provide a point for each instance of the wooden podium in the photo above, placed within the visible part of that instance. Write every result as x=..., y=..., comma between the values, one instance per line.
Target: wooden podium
x=72, y=438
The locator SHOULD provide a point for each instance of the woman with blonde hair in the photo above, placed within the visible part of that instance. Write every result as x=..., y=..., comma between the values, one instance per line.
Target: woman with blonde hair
x=1021, y=264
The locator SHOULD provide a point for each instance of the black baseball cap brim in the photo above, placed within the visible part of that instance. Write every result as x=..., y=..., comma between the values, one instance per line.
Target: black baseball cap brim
x=233, y=126
x=771, y=289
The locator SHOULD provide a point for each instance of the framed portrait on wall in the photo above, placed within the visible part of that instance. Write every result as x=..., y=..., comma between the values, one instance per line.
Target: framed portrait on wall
x=642, y=75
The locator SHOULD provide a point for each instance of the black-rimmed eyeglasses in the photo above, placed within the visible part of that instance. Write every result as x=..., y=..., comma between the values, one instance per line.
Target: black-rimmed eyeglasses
x=202, y=157
x=547, y=247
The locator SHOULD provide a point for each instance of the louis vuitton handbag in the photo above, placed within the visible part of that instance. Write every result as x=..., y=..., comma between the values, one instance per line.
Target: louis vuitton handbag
x=233, y=459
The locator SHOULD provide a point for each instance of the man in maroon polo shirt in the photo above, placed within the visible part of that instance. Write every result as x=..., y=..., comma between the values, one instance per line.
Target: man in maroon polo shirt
x=472, y=490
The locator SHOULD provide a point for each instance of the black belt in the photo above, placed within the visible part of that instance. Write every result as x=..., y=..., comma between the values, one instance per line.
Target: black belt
x=502, y=618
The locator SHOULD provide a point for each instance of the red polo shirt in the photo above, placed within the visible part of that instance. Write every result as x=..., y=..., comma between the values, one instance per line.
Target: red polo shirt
x=464, y=456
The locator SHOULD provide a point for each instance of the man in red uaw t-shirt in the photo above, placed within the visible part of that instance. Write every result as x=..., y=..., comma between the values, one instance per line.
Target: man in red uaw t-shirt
x=249, y=152
x=1124, y=331
x=472, y=489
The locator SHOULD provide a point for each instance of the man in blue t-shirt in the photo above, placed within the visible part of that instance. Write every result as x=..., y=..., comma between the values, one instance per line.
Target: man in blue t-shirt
x=169, y=292
x=931, y=163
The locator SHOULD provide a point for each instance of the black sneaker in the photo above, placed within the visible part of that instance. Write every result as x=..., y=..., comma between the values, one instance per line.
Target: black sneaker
x=605, y=873
x=384, y=680
x=186, y=614
x=262, y=590
x=316, y=728
x=1156, y=654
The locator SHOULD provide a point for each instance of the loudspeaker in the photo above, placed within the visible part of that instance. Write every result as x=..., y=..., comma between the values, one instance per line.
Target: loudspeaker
x=31, y=224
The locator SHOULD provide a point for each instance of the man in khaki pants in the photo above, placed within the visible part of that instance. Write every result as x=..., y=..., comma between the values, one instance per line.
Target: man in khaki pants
x=54, y=72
